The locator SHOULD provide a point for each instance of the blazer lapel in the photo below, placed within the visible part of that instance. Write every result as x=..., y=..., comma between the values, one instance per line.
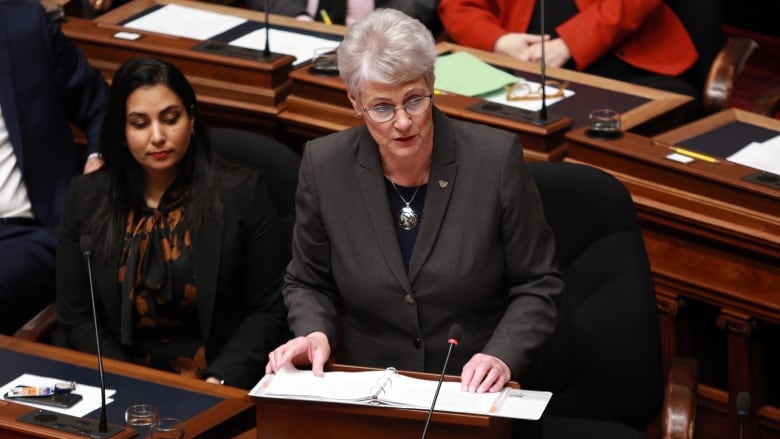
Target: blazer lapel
x=444, y=168
x=206, y=269
x=375, y=197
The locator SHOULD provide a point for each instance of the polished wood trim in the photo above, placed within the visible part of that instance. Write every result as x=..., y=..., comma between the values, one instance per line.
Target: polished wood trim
x=234, y=403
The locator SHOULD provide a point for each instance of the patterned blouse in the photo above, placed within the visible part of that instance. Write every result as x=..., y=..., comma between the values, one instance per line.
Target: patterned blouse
x=159, y=320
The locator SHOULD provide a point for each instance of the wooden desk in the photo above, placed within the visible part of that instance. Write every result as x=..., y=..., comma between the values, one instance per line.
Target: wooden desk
x=714, y=245
x=318, y=106
x=230, y=414
x=231, y=90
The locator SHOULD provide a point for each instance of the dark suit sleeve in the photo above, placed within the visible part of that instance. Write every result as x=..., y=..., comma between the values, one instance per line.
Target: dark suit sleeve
x=310, y=291
x=74, y=304
x=256, y=301
x=534, y=282
x=83, y=90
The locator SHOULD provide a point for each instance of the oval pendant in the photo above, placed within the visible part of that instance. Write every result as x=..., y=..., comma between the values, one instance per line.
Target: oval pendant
x=407, y=218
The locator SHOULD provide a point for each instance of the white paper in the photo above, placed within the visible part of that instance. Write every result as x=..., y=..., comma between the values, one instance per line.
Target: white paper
x=301, y=46
x=91, y=395
x=760, y=155
x=684, y=159
x=524, y=404
x=400, y=391
x=182, y=21
x=529, y=104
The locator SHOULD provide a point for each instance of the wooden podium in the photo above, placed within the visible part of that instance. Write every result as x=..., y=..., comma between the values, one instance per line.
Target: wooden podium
x=288, y=418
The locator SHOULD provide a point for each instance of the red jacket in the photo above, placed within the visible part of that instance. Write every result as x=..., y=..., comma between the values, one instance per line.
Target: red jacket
x=644, y=33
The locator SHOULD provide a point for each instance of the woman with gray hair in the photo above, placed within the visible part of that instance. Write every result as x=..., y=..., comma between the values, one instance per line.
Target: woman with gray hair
x=414, y=222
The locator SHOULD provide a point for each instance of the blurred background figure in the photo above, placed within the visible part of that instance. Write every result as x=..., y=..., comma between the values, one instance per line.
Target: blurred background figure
x=45, y=84
x=643, y=43
x=349, y=11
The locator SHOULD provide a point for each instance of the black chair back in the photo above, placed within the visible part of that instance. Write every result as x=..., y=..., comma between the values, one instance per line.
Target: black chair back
x=603, y=362
x=276, y=161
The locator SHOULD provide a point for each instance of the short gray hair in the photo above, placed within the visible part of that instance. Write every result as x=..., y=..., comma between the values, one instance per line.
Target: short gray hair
x=387, y=47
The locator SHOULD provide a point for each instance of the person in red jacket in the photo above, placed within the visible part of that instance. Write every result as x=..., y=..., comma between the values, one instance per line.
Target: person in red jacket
x=637, y=41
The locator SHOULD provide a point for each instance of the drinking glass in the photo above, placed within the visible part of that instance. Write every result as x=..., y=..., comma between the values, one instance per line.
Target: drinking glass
x=604, y=123
x=142, y=418
x=168, y=428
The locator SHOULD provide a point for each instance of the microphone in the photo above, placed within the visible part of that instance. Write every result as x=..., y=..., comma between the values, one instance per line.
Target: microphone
x=267, y=51
x=543, y=110
x=85, y=242
x=743, y=409
x=71, y=424
x=453, y=338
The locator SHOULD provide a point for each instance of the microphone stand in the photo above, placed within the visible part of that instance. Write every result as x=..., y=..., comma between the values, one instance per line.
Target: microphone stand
x=267, y=51
x=543, y=110
x=72, y=424
x=452, y=340
x=103, y=426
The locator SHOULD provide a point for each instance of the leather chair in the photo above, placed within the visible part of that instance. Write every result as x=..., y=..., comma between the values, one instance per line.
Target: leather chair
x=275, y=160
x=720, y=63
x=603, y=362
x=278, y=163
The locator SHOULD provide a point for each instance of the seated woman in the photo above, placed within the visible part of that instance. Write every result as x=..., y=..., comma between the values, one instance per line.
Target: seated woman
x=187, y=267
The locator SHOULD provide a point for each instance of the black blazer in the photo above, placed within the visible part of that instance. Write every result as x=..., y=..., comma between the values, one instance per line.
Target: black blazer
x=483, y=256
x=45, y=82
x=238, y=275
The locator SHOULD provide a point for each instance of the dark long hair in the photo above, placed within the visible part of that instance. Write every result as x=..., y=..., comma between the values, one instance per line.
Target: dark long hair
x=126, y=186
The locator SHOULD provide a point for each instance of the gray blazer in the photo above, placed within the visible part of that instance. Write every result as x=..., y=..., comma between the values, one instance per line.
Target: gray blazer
x=483, y=256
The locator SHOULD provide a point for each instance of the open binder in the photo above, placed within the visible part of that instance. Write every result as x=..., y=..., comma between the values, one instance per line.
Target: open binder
x=389, y=388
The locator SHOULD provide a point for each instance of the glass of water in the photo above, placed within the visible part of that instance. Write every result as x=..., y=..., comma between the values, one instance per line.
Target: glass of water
x=168, y=428
x=142, y=418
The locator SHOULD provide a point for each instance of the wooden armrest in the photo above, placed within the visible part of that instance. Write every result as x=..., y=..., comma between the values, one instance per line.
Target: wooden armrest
x=725, y=69
x=768, y=104
x=679, y=412
x=40, y=326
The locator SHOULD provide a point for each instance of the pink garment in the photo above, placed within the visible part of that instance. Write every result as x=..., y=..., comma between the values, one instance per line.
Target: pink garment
x=356, y=9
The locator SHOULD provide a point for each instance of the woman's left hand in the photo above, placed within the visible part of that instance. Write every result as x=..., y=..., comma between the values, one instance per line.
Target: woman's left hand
x=484, y=373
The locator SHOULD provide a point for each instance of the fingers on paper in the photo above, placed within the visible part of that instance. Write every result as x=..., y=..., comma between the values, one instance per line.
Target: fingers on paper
x=484, y=373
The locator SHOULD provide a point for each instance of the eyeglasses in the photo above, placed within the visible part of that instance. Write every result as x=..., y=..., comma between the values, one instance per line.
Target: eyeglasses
x=523, y=91
x=414, y=107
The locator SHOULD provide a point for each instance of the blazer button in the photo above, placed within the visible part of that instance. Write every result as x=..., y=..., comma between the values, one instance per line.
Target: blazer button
x=417, y=343
x=408, y=299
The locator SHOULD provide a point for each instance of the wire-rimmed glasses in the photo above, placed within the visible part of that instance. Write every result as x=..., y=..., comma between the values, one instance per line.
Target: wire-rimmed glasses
x=414, y=107
x=523, y=91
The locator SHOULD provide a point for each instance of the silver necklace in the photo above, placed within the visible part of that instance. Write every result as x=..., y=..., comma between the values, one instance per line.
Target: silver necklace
x=407, y=217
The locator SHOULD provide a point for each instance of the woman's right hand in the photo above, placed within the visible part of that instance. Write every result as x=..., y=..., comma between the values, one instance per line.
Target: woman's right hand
x=517, y=45
x=312, y=349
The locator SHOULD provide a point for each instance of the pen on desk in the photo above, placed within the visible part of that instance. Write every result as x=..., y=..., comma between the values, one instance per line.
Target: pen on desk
x=687, y=152
x=325, y=17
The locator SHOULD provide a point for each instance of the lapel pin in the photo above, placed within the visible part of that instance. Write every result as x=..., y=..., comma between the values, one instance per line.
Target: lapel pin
x=443, y=183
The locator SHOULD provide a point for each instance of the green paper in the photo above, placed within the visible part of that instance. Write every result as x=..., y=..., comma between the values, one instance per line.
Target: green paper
x=465, y=74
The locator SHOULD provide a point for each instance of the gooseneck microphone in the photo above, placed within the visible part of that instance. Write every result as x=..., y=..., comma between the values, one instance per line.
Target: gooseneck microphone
x=543, y=110
x=453, y=338
x=85, y=242
x=267, y=50
x=743, y=409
